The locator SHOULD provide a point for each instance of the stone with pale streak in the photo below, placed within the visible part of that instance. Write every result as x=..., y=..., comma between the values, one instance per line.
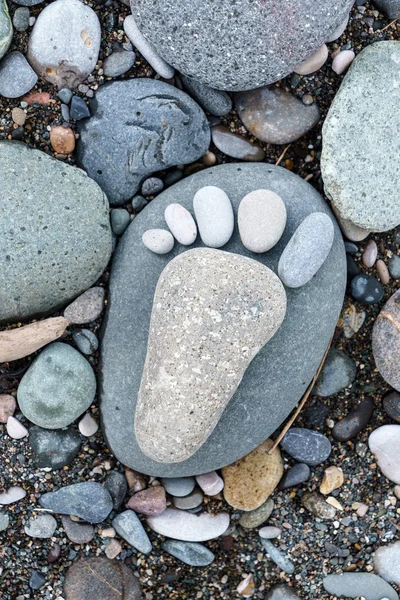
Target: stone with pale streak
x=384, y=443
x=187, y=527
x=212, y=313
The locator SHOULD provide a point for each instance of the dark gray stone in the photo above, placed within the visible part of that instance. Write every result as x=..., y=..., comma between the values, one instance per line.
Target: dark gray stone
x=152, y=186
x=281, y=592
x=37, y=580
x=391, y=405
x=213, y=101
x=278, y=371
x=89, y=501
x=78, y=109
x=120, y=219
x=139, y=126
x=54, y=449
x=316, y=415
x=61, y=245
x=354, y=585
x=338, y=372
x=129, y=527
x=6, y=30
x=117, y=486
x=118, y=63
x=235, y=145
x=79, y=533
x=86, y=341
x=306, y=446
x=16, y=76
x=390, y=8
x=191, y=553
x=138, y=203
x=65, y=95
x=240, y=47
x=179, y=486
x=278, y=557
x=354, y=422
x=295, y=476
x=366, y=289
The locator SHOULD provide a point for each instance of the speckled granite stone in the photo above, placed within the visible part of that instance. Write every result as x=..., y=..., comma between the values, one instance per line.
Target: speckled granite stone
x=6, y=30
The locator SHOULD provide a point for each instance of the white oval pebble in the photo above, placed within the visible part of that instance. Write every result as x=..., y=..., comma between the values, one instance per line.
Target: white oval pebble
x=261, y=220
x=181, y=224
x=146, y=49
x=88, y=425
x=15, y=429
x=384, y=444
x=159, y=241
x=269, y=532
x=342, y=61
x=313, y=62
x=188, y=527
x=214, y=215
x=14, y=494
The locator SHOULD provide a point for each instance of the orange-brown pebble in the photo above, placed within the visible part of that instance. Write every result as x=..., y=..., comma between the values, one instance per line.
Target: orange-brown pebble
x=62, y=139
x=209, y=159
x=247, y=586
x=289, y=164
x=39, y=97
x=383, y=271
x=18, y=116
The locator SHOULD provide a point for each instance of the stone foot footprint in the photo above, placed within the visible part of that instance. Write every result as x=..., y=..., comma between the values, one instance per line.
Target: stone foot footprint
x=213, y=311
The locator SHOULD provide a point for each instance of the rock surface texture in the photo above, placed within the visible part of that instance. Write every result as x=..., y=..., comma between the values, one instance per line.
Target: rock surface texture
x=6, y=30
x=365, y=196
x=386, y=341
x=241, y=49
x=278, y=370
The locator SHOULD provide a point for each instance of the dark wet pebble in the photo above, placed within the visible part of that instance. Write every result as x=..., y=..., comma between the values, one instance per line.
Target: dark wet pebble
x=138, y=203
x=355, y=421
x=54, y=553
x=316, y=415
x=152, y=186
x=54, y=449
x=79, y=109
x=117, y=487
x=172, y=177
x=391, y=405
x=306, y=446
x=86, y=341
x=351, y=248
x=366, y=289
x=352, y=268
x=37, y=580
x=295, y=476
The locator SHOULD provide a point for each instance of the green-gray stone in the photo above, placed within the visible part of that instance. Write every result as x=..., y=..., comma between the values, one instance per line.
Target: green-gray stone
x=191, y=553
x=57, y=388
x=257, y=517
x=6, y=30
x=54, y=449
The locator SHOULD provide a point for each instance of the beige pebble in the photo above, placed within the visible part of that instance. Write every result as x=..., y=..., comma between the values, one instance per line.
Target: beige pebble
x=261, y=220
x=397, y=491
x=333, y=479
x=18, y=116
x=335, y=503
x=246, y=587
x=383, y=272
x=313, y=62
x=209, y=159
x=351, y=231
x=362, y=510
x=109, y=532
x=7, y=407
x=342, y=61
x=62, y=139
x=113, y=549
x=370, y=254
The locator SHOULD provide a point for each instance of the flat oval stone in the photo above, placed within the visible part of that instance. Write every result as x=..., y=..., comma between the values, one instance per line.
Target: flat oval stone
x=354, y=585
x=309, y=323
x=386, y=341
x=178, y=486
x=387, y=561
x=57, y=388
x=235, y=145
x=182, y=525
x=189, y=502
x=118, y=62
x=129, y=527
x=214, y=101
x=181, y=224
x=159, y=241
x=306, y=446
x=4, y=520
x=17, y=77
x=54, y=449
x=65, y=60
x=269, y=532
x=391, y=405
x=89, y=501
x=88, y=426
x=214, y=215
x=384, y=443
x=307, y=250
x=261, y=220
x=339, y=371
x=275, y=116
x=370, y=254
x=190, y=553
x=253, y=518
x=78, y=533
x=355, y=421
x=249, y=482
x=218, y=286
x=14, y=494
x=15, y=429
x=41, y=526
x=295, y=476
x=314, y=62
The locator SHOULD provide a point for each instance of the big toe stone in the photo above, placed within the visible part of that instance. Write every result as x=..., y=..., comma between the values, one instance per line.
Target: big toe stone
x=212, y=313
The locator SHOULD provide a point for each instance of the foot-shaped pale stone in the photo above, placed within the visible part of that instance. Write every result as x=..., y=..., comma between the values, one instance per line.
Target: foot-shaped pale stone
x=212, y=313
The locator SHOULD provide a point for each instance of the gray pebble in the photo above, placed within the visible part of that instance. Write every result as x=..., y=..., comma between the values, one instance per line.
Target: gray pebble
x=120, y=219
x=78, y=533
x=306, y=446
x=65, y=95
x=4, y=520
x=394, y=266
x=339, y=371
x=54, y=449
x=192, y=500
x=79, y=109
x=21, y=18
x=118, y=63
x=214, y=101
x=65, y=112
x=89, y=501
x=16, y=76
x=179, y=486
x=86, y=341
x=159, y=241
x=354, y=585
x=281, y=592
x=6, y=29
x=235, y=145
x=278, y=557
x=191, y=553
x=41, y=526
x=138, y=203
x=129, y=527
x=117, y=486
x=152, y=186
x=146, y=49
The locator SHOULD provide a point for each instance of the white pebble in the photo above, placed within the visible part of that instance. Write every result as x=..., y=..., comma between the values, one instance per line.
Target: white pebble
x=211, y=483
x=342, y=61
x=146, y=49
x=261, y=220
x=15, y=429
x=159, y=241
x=269, y=532
x=181, y=224
x=88, y=426
x=14, y=494
x=313, y=62
x=214, y=215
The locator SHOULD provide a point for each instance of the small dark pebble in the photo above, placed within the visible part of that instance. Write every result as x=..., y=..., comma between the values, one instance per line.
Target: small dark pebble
x=352, y=268
x=117, y=487
x=306, y=446
x=79, y=109
x=54, y=553
x=366, y=289
x=355, y=421
x=391, y=405
x=316, y=415
x=351, y=248
x=172, y=177
x=138, y=203
x=295, y=476
x=37, y=580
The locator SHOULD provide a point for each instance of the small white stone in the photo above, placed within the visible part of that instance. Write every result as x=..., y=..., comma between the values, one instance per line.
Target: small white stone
x=261, y=220
x=159, y=241
x=214, y=215
x=269, y=532
x=313, y=62
x=109, y=532
x=342, y=61
x=15, y=429
x=384, y=443
x=14, y=494
x=182, y=525
x=146, y=49
x=181, y=224
x=88, y=425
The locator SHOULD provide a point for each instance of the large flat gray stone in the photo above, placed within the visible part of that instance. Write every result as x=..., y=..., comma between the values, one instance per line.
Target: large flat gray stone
x=280, y=373
x=6, y=29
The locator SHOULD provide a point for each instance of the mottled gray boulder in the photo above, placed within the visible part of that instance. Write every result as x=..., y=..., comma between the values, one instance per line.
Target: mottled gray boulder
x=356, y=169
x=238, y=47
x=282, y=369
x=354, y=585
x=225, y=308
x=89, y=501
x=65, y=42
x=57, y=388
x=139, y=126
x=275, y=116
x=16, y=76
x=53, y=246
x=54, y=449
x=6, y=30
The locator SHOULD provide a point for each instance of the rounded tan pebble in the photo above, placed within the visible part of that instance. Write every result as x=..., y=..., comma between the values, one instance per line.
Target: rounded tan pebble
x=113, y=549
x=159, y=241
x=261, y=220
x=370, y=254
x=313, y=62
x=209, y=159
x=333, y=479
x=18, y=116
x=7, y=407
x=342, y=61
x=307, y=99
x=62, y=139
x=383, y=271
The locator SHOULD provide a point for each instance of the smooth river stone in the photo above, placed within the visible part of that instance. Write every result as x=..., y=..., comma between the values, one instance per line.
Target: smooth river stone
x=226, y=307
x=278, y=371
x=313, y=62
x=214, y=216
x=282, y=592
x=339, y=371
x=129, y=527
x=355, y=421
x=65, y=60
x=391, y=405
x=386, y=341
x=235, y=145
x=384, y=443
x=6, y=30
x=159, y=241
x=54, y=449
x=211, y=100
x=179, y=486
x=190, y=553
x=12, y=495
x=181, y=224
x=182, y=525
x=211, y=483
x=387, y=562
x=295, y=476
x=306, y=446
x=89, y=501
x=41, y=526
x=101, y=579
x=57, y=388
x=278, y=557
x=307, y=250
x=249, y=482
x=261, y=220
x=275, y=116
x=356, y=585
x=253, y=518
x=366, y=197
x=150, y=502
x=17, y=77
x=147, y=50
